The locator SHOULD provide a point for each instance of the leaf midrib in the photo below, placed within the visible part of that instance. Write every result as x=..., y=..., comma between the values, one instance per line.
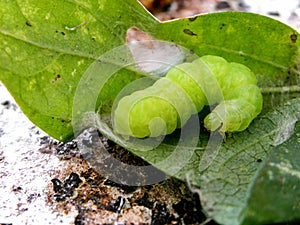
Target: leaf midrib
x=51, y=48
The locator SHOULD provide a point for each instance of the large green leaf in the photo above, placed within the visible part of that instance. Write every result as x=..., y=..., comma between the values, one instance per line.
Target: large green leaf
x=47, y=59
x=267, y=46
x=46, y=47
x=224, y=183
x=42, y=58
x=279, y=176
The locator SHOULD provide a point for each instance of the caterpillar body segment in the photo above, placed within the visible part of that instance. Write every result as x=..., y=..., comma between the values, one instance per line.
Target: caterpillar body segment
x=153, y=111
x=186, y=88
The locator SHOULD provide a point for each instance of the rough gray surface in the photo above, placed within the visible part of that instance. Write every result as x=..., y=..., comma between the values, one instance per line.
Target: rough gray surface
x=25, y=173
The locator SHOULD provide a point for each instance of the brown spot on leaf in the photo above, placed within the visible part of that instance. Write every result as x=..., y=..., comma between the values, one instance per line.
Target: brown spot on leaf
x=28, y=24
x=293, y=38
x=56, y=78
x=189, y=32
x=193, y=18
x=222, y=26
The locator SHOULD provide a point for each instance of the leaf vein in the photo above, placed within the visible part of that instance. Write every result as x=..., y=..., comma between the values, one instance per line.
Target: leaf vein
x=51, y=48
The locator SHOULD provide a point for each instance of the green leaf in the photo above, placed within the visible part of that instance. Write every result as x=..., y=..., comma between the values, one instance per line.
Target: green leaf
x=274, y=193
x=47, y=45
x=224, y=184
x=266, y=46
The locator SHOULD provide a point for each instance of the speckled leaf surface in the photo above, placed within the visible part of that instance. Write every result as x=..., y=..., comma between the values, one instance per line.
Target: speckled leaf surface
x=47, y=46
x=224, y=185
x=266, y=46
x=279, y=176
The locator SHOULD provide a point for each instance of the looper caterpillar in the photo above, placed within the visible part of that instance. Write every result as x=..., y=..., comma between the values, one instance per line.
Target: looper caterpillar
x=165, y=106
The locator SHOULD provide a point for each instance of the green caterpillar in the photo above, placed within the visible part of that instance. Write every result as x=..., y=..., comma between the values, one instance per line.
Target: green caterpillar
x=171, y=100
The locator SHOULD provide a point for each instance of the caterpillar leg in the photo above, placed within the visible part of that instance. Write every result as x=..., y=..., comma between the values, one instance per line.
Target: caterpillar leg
x=242, y=97
x=237, y=111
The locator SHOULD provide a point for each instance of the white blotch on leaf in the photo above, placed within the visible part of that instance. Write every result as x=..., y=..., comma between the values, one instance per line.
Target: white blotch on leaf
x=285, y=132
x=80, y=62
x=151, y=56
x=47, y=17
x=74, y=72
x=287, y=168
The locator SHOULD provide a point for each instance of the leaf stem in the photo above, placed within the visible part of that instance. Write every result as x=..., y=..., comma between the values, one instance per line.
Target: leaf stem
x=284, y=89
